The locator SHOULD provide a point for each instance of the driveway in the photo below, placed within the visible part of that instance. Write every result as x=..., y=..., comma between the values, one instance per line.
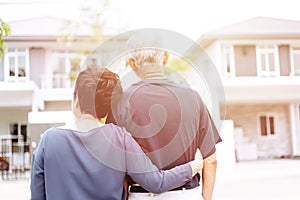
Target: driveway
x=260, y=180
x=255, y=180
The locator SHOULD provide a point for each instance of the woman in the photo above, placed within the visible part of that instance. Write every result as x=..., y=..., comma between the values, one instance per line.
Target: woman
x=89, y=160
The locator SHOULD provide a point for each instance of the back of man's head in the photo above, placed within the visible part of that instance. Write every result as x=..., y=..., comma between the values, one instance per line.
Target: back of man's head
x=144, y=49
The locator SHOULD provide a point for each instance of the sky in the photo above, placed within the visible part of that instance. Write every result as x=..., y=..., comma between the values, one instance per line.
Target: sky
x=189, y=17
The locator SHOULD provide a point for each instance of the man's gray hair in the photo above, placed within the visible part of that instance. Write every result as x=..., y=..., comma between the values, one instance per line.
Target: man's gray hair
x=144, y=49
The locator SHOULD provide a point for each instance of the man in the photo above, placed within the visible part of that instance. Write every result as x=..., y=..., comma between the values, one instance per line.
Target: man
x=169, y=121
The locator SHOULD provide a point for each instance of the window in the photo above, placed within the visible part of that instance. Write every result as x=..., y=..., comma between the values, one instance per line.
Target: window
x=284, y=59
x=267, y=61
x=245, y=60
x=299, y=115
x=16, y=64
x=19, y=130
x=228, y=60
x=295, y=61
x=65, y=67
x=267, y=124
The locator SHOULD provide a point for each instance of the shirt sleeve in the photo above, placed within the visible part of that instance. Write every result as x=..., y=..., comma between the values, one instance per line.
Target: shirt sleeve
x=208, y=135
x=37, y=184
x=141, y=170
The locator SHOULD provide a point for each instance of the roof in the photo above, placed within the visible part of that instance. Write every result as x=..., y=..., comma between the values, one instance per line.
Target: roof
x=255, y=28
x=44, y=27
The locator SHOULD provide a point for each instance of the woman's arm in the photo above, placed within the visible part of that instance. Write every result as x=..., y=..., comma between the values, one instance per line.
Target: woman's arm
x=37, y=182
x=141, y=170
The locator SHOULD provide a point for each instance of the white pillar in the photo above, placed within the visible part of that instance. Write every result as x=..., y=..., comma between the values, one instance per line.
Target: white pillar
x=225, y=149
x=295, y=128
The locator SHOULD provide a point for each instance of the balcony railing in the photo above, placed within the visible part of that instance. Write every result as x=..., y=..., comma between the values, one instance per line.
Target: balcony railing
x=261, y=81
x=56, y=81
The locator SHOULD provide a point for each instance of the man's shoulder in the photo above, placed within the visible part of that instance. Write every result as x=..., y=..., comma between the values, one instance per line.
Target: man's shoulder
x=163, y=83
x=156, y=88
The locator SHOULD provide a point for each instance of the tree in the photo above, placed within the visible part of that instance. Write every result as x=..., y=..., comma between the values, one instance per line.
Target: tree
x=4, y=32
x=92, y=20
x=179, y=64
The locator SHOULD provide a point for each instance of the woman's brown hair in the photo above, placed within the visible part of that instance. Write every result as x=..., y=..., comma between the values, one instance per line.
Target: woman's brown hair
x=95, y=87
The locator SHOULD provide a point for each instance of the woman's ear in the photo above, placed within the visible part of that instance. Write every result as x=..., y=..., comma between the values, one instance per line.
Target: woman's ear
x=131, y=63
x=75, y=102
x=76, y=107
x=166, y=58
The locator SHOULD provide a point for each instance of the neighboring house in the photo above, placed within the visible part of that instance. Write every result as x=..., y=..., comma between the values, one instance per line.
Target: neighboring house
x=259, y=62
x=37, y=74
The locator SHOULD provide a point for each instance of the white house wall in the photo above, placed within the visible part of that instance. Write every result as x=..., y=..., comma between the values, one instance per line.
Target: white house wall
x=262, y=90
x=246, y=117
x=16, y=98
x=12, y=115
x=37, y=64
x=214, y=51
x=2, y=69
x=58, y=105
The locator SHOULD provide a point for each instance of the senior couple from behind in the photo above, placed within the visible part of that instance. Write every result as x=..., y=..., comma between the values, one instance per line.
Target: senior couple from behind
x=146, y=149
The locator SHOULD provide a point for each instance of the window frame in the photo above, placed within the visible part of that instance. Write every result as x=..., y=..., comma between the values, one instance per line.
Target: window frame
x=265, y=50
x=19, y=130
x=63, y=78
x=294, y=71
x=228, y=50
x=16, y=53
x=268, y=115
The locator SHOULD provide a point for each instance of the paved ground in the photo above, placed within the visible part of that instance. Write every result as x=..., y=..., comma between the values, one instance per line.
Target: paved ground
x=15, y=189
x=259, y=180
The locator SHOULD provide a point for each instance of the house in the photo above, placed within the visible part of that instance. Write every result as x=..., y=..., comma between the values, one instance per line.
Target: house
x=259, y=63
x=37, y=76
x=37, y=72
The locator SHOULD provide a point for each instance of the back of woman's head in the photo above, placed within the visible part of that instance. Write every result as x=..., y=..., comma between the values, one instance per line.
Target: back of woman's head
x=95, y=87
